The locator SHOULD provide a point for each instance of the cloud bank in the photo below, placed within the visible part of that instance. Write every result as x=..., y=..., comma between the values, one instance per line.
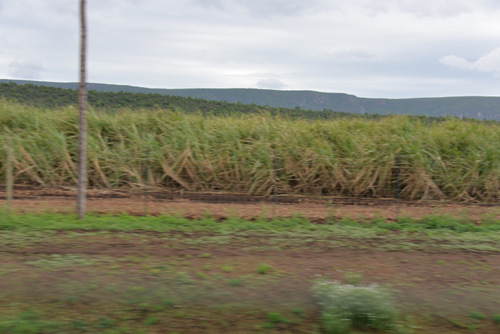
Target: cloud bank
x=370, y=48
x=271, y=83
x=490, y=62
x=26, y=69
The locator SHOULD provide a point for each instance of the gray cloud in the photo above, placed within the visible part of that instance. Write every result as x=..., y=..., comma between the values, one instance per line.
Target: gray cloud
x=352, y=53
x=489, y=62
x=419, y=8
x=217, y=4
x=271, y=83
x=265, y=8
x=25, y=69
x=373, y=48
x=423, y=8
x=285, y=7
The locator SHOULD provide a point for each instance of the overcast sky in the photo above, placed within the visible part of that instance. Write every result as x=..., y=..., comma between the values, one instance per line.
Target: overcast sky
x=369, y=48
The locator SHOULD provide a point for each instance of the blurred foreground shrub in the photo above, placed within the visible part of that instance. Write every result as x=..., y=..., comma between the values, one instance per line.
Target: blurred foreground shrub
x=346, y=306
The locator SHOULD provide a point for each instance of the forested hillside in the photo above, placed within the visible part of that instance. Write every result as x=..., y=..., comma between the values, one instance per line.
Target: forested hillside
x=484, y=108
x=52, y=97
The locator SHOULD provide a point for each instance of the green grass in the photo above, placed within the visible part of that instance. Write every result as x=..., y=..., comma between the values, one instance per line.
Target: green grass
x=55, y=221
x=235, y=282
x=29, y=323
x=264, y=269
x=150, y=292
x=442, y=232
x=275, y=318
x=477, y=315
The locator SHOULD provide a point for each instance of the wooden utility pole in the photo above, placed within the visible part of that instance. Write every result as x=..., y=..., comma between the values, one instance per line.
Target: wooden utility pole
x=82, y=108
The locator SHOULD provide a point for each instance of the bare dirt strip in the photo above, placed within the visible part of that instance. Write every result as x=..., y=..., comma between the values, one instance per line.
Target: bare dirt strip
x=214, y=282
x=193, y=205
x=219, y=288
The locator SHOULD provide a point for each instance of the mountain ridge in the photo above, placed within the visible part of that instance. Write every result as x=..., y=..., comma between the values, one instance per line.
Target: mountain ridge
x=479, y=107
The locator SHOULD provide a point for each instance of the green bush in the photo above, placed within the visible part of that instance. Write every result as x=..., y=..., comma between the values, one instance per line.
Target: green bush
x=477, y=315
x=276, y=318
x=264, y=269
x=346, y=306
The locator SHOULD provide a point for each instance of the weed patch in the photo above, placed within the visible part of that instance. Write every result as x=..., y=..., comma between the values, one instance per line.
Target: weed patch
x=346, y=306
x=264, y=269
x=275, y=318
x=477, y=315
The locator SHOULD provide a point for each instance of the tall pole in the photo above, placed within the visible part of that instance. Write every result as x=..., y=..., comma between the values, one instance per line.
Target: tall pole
x=82, y=108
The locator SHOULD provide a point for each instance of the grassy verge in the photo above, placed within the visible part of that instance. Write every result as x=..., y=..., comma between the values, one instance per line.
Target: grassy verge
x=440, y=232
x=127, y=274
x=165, y=223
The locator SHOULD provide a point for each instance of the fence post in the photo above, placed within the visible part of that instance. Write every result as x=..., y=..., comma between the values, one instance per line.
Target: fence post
x=398, y=185
x=9, y=174
x=146, y=183
x=275, y=172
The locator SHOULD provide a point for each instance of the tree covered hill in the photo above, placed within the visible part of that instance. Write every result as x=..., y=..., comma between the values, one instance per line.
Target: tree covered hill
x=52, y=97
x=290, y=102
